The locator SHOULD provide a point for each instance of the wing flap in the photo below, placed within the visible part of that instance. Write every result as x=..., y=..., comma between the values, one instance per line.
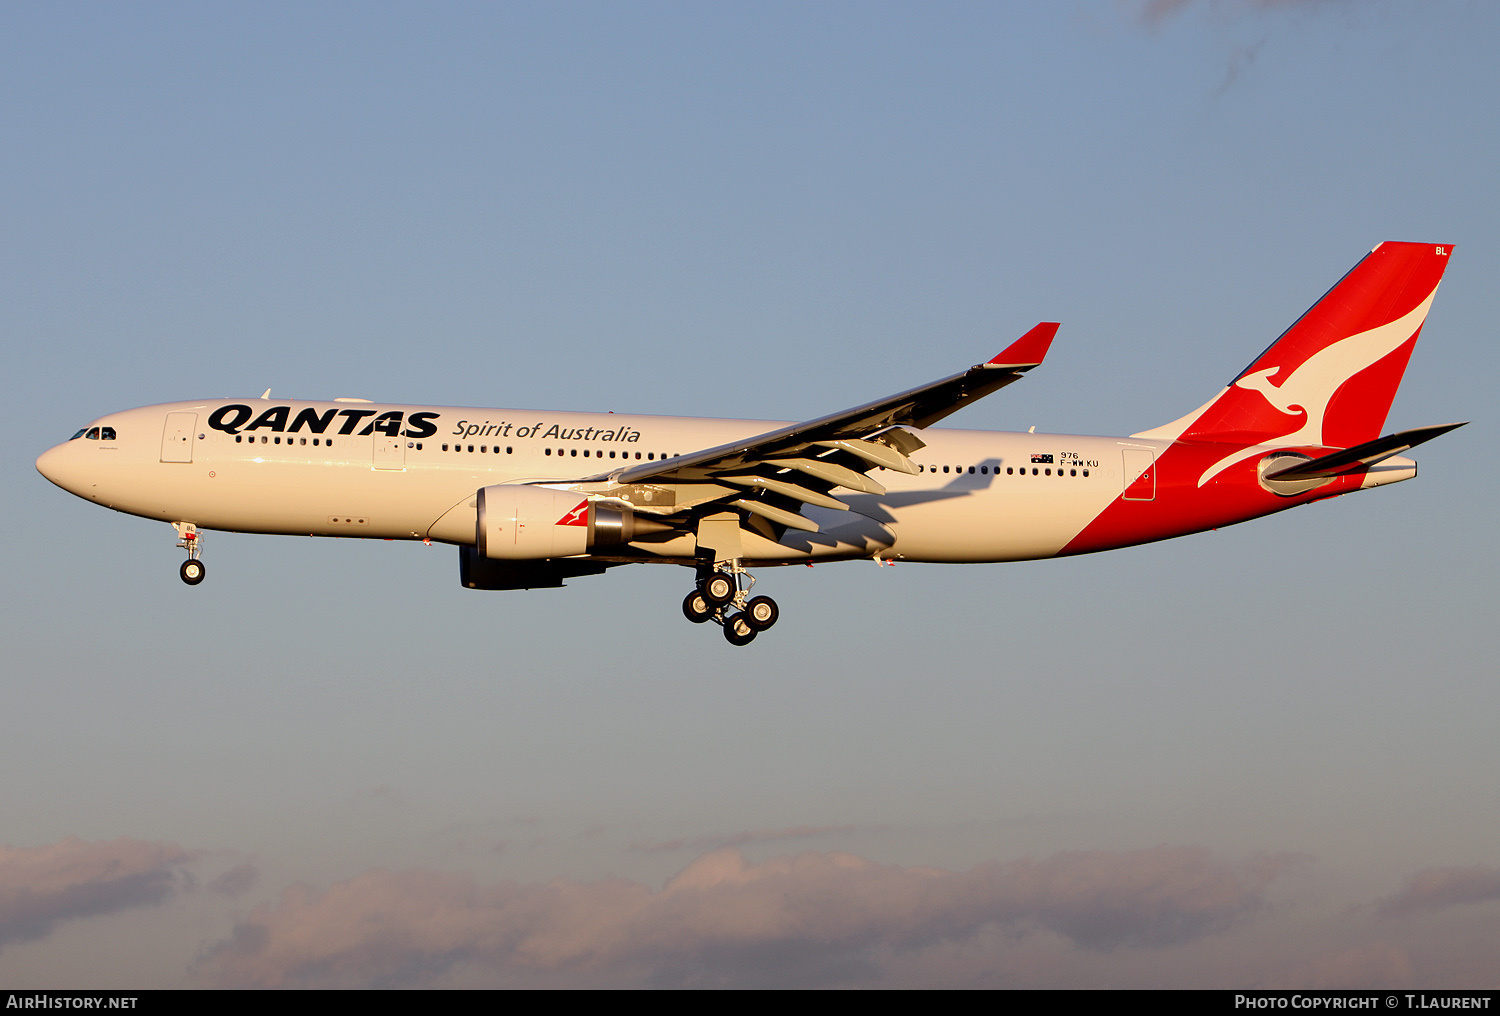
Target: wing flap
x=832, y=472
x=876, y=453
x=780, y=516
x=785, y=489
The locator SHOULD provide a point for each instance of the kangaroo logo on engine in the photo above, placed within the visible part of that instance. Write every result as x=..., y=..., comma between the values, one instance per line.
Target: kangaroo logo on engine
x=577, y=517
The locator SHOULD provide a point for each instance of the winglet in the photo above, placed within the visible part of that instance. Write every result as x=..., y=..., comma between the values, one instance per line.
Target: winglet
x=1029, y=350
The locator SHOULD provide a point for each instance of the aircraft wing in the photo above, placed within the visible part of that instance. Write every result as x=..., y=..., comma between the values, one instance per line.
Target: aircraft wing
x=773, y=474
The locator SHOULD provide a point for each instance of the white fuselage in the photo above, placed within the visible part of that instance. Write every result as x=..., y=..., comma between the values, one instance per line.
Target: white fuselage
x=244, y=466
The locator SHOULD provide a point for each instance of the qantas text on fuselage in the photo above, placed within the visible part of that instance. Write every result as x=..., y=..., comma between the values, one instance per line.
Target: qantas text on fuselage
x=532, y=499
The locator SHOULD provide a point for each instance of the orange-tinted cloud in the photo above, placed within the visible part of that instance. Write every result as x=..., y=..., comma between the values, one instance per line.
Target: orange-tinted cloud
x=816, y=918
x=1381, y=965
x=40, y=886
x=738, y=839
x=1437, y=888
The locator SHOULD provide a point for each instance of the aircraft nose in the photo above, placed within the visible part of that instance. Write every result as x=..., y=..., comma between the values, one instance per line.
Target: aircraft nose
x=60, y=465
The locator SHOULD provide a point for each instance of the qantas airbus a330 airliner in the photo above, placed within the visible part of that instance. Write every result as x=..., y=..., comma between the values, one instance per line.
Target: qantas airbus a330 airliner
x=531, y=498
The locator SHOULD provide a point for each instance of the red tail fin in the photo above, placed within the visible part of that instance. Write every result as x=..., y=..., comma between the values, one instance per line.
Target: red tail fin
x=1330, y=378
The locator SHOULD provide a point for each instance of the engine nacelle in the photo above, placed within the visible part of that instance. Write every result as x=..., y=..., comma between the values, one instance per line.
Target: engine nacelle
x=519, y=522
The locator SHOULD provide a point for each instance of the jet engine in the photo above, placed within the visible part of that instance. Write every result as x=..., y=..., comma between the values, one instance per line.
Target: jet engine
x=519, y=522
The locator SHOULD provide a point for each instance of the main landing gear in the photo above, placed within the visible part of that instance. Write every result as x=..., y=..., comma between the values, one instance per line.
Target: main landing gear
x=192, y=570
x=719, y=598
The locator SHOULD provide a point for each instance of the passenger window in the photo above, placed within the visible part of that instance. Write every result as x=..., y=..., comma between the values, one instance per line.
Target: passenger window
x=1009, y=470
x=471, y=448
x=1072, y=472
x=649, y=455
x=945, y=469
x=1085, y=472
x=971, y=470
x=574, y=453
x=507, y=449
x=548, y=451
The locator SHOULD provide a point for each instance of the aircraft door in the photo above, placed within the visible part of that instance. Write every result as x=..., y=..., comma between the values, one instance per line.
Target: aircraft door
x=1140, y=474
x=177, y=437
x=390, y=452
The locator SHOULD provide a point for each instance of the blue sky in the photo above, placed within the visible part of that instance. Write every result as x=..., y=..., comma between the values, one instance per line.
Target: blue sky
x=1266, y=753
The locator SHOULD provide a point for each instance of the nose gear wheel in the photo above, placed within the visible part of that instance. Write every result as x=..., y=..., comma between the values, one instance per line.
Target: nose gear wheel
x=192, y=570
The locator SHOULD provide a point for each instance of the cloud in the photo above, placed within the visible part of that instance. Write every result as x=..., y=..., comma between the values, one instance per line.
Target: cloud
x=811, y=919
x=1154, y=13
x=40, y=886
x=237, y=880
x=1378, y=966
x=1239, y=60
x=739, y=839
x=1437, y=888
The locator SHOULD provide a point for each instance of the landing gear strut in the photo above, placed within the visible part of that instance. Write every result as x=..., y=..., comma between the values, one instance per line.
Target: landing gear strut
x=192, y=570
x=722, y=596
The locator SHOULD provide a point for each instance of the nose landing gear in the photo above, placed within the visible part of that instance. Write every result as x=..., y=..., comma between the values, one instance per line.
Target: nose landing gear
x=192, y=570
x=720, y=598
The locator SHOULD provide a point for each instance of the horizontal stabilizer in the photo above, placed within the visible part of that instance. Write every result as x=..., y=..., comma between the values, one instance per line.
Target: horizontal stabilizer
x=1360, y=455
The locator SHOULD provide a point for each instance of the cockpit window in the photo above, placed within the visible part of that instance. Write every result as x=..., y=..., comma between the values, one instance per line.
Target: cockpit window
x=75, y=437
x=107, y=434
x=93, y=434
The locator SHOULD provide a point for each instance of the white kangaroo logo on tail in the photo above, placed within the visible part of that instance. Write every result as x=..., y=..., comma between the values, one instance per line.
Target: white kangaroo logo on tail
x=1310, y=387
